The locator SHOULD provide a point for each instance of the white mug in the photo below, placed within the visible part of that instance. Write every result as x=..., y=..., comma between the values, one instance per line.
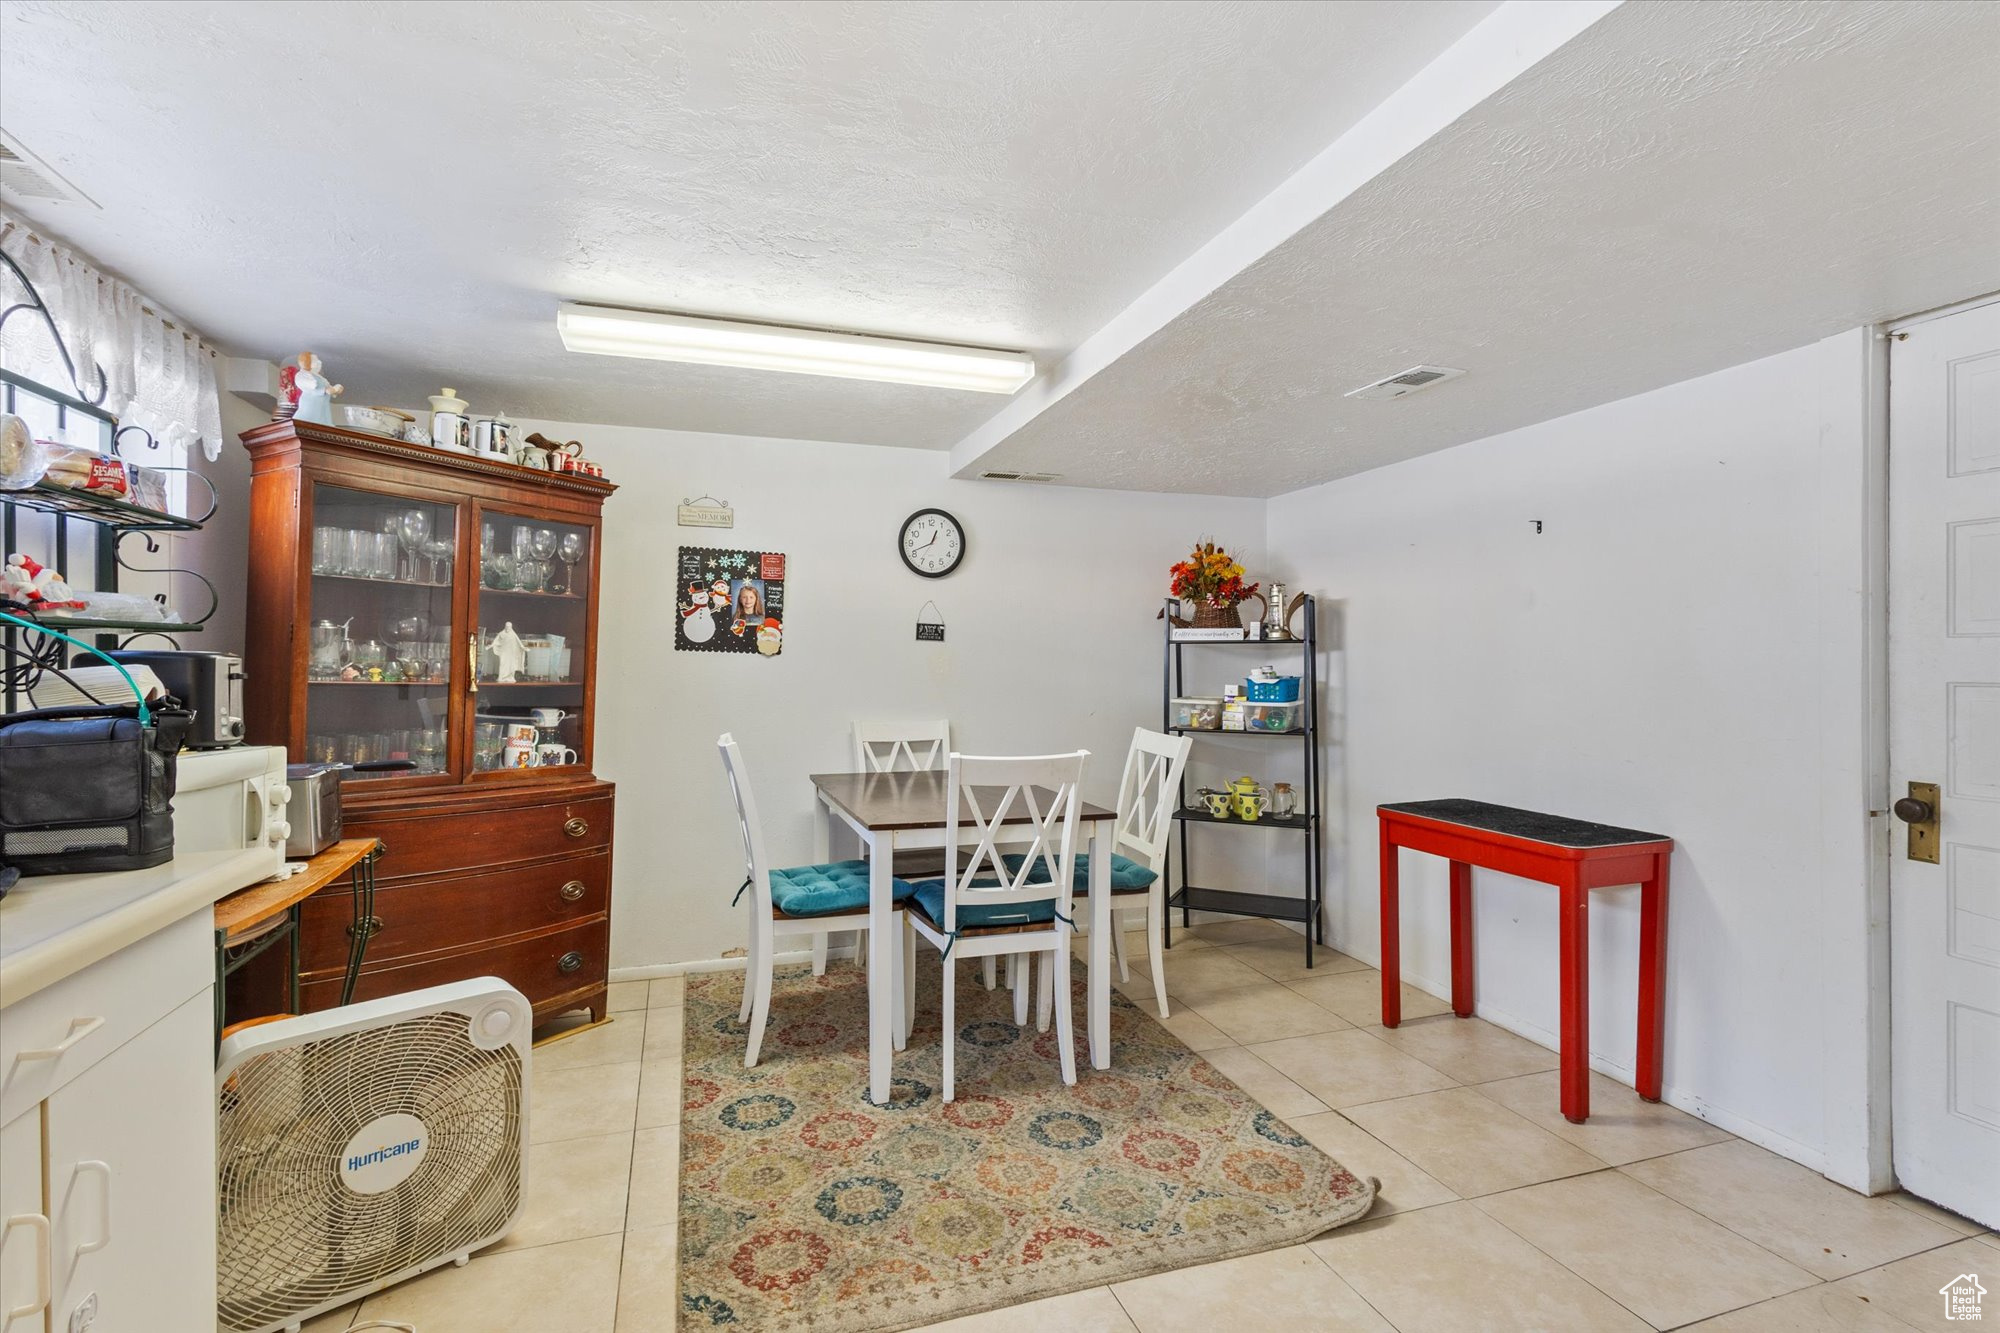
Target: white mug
x=547, y=717
x=451, y=430
x=521, y=733
x=493, y=438
x=554, y=752
x=519, y=754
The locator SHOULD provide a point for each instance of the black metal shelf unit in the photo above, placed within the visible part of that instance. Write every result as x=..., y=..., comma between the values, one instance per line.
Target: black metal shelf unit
x=24, y=659
x=1191, y=898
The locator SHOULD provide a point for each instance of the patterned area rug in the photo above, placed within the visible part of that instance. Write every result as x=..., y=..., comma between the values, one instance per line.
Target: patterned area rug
x=804, y=1207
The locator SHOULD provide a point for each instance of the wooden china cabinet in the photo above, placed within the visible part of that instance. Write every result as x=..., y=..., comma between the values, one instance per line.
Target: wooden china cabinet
x=381, y=575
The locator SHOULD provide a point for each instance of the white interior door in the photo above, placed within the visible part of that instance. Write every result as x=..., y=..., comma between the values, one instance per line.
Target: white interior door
x=1944, y=728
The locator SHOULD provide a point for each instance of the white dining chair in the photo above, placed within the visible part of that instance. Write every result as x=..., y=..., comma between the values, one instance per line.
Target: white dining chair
x=900, y=747
x=799, y=900
x=997, y=904
x=1147, y=797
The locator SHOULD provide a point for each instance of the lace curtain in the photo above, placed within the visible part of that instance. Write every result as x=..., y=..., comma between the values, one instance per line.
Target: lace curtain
x=157, y=373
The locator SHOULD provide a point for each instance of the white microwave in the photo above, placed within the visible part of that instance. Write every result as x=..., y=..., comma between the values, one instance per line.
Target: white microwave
x=230, y=800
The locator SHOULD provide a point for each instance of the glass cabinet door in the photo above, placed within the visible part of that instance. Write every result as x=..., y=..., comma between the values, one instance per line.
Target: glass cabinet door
x=532, y=622
x=380, y=641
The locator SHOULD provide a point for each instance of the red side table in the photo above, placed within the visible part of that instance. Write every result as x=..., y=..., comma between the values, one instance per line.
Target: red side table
x=1575, y=856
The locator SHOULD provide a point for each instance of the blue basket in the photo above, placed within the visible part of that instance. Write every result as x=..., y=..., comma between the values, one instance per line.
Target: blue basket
x=1283, y=690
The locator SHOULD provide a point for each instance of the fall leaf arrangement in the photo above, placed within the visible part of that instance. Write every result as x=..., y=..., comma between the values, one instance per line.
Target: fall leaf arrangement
x=1211, y=576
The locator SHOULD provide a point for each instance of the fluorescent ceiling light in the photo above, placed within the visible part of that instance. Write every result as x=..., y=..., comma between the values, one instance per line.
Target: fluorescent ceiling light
x=608, y=331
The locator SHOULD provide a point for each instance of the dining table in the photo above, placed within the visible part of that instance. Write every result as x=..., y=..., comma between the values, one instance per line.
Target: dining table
x=891, y=812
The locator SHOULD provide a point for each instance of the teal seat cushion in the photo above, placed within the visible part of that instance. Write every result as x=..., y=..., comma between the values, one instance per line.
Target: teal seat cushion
x=929, y=896
x=1127, y=875
x=825, y=890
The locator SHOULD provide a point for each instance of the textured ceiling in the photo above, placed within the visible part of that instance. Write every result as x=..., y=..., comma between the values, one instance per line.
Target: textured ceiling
x=409, y=189
x=1680, y=188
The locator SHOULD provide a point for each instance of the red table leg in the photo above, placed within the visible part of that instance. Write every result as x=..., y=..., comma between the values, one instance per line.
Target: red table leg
x=1392, y=937
x=1461, y=939
x=1575, y=1022
x=1652, y=977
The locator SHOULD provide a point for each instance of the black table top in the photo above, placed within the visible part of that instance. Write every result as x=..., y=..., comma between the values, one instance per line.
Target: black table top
x=1530, y=824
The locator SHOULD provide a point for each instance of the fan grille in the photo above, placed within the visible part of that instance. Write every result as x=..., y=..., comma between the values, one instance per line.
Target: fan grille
x=292, y=1236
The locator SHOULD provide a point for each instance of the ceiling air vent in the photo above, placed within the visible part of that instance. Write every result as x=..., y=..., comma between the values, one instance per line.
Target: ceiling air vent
x=1020, y=476
x=26, y=176
x=1411, y=380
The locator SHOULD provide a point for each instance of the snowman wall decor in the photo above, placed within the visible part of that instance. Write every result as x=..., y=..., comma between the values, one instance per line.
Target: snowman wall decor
x=741, y=592
x=697, y=619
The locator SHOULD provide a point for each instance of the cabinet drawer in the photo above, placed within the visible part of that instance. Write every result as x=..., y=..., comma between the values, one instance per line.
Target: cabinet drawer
x=456, y=912
x=131, y=1183
x=447, y=842
x=52, y=1036
x=540, y=967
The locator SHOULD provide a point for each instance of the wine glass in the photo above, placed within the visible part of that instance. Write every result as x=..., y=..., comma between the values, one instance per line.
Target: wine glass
x=412, y=527
x=569, y=551
x=438, y=550
x=543, y=547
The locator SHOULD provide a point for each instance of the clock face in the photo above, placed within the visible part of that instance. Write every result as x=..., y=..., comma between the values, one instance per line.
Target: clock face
x=933, y=543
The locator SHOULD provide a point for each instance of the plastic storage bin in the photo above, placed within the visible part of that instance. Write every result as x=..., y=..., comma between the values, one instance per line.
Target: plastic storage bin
x=1272, y=716
x=1283, y=690
x=1198, y=714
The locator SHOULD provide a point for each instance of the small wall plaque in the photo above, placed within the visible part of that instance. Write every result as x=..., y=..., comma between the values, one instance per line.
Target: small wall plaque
x=931, y=630
x=705, y=511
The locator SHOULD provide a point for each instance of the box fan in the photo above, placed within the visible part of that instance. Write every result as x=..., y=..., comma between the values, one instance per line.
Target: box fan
x=363, y=1145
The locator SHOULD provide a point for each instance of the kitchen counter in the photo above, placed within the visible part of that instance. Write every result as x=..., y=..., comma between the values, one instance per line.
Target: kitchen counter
x=52, y=926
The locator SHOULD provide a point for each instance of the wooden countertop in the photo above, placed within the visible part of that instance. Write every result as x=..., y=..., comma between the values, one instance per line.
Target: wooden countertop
x=242, y=915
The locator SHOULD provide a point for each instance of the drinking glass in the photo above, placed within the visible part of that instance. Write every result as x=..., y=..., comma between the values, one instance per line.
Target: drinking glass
x=413, y=528
x=438, y=551
x=360, y=557
x=327, y=550
x=524, y=543
x=383, y=566
x=569, y=551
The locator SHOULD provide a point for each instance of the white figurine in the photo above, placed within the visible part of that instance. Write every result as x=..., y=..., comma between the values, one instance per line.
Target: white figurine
x=510, y=652
x=315, y=394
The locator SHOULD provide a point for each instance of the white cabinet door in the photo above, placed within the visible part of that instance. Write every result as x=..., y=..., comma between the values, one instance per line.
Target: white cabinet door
x=131, y=1172
x=1944, y=730
x=24, y=1244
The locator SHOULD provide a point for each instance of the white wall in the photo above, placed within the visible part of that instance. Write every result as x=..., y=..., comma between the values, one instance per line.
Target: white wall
x=1680, y=649
x=1050, y=644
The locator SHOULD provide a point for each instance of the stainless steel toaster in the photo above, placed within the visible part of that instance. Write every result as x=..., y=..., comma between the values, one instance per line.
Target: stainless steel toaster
x=315, y=808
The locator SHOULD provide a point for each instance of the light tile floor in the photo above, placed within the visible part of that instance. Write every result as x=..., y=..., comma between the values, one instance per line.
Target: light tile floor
x=1494, y=1212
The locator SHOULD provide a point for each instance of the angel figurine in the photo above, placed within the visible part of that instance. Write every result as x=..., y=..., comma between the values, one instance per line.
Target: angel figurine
x=510, y=652
x=316, y=395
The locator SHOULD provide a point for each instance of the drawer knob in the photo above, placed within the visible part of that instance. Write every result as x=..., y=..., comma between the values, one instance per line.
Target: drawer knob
x=576, y=828
x=367, y=927
x=569, y=962
x=571, y=891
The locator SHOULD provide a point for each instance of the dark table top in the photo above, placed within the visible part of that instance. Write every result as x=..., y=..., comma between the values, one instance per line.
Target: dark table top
x=886, y=802
x=1529, y=824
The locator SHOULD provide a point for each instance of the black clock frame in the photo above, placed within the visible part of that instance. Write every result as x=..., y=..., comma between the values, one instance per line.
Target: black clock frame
x=963, y=543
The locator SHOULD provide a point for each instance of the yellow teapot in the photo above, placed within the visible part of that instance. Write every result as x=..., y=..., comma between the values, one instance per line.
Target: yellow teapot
x=1248, y=798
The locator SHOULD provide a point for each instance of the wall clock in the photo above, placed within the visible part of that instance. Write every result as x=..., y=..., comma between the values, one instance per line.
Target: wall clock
x=932, y=544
